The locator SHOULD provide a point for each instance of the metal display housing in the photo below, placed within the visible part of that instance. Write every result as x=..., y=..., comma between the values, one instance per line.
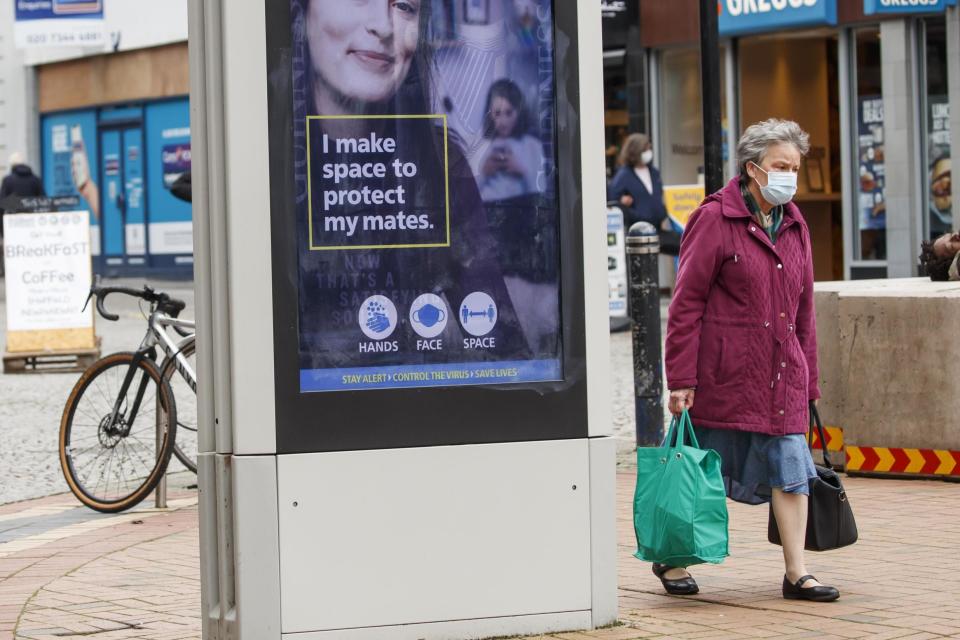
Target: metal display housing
x=291, y=544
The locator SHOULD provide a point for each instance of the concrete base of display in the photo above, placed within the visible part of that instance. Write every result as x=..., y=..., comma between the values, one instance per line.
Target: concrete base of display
x=887, y=372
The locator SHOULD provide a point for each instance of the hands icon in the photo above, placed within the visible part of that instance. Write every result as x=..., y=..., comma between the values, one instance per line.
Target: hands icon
x=377, y=319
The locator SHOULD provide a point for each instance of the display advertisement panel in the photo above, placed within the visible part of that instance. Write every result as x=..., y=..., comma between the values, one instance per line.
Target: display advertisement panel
x=940, y=165
x=873, y=209
x=426, y=222
x=429, y=254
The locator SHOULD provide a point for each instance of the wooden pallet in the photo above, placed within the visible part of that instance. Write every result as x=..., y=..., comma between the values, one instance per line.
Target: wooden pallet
x=50, y=360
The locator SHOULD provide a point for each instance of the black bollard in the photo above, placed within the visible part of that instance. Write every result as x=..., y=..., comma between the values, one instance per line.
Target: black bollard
x=643, y=252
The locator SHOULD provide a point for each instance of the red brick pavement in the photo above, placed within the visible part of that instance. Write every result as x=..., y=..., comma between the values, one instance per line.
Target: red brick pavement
x=899, y=581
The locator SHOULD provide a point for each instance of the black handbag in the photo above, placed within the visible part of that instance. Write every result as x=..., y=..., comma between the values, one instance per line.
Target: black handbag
x=830, y=523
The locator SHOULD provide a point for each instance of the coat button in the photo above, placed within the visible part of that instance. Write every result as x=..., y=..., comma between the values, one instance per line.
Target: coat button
x=783, y=364
x=766, y=324
x=781, y=411
x=779, y=266
x=783, y=315
x=753, y=228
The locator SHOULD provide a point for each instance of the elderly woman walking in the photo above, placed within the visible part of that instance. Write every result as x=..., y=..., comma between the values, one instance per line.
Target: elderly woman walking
x=741, y=352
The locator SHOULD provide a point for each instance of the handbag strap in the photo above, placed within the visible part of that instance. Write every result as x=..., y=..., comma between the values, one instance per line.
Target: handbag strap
x=681, y=431
x=815, y=421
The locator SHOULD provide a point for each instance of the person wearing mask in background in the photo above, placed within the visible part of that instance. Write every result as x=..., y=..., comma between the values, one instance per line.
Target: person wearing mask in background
x=637, y=186
x=20, y=182
x=741, y=349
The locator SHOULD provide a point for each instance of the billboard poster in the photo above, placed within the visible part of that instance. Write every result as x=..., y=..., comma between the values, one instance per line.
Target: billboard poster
x=872, y=177
x=938, y=155
x=428, y=249
x=59, y=23
x=681, y=201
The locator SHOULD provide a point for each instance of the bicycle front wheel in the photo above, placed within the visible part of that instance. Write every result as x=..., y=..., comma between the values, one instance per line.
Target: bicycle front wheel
x=114, y=443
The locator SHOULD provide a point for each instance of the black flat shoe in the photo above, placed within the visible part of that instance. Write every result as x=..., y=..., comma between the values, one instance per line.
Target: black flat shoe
x=680, y=587
x=820, y=593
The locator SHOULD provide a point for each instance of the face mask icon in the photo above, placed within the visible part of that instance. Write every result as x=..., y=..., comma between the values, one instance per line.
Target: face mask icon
x=428, y=315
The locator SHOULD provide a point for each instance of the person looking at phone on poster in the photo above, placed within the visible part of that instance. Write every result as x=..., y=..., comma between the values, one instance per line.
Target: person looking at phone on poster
x=511, y=158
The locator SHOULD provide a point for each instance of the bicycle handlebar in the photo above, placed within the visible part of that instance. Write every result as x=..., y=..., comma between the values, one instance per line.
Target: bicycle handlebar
x=164, y=302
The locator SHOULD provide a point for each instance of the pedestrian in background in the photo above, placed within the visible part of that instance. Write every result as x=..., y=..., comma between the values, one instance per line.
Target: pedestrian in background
x=637, y=186
x=741, y=340
x=939, y=257
x=20, y=182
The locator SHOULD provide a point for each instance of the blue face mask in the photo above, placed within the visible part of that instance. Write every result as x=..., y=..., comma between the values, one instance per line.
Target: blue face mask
x=781, y=186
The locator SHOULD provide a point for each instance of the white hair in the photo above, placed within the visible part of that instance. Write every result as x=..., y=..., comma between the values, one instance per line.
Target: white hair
x=761, y=136
x=16, y=158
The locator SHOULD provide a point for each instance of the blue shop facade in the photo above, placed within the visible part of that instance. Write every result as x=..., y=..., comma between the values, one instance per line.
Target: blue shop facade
x=122, y=160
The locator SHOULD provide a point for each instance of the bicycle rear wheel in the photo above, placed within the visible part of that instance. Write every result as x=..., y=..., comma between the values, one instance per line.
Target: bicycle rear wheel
x=110, y=462
x=185, y=445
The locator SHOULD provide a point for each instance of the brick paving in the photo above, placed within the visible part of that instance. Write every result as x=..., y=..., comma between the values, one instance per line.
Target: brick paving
x=136, y=575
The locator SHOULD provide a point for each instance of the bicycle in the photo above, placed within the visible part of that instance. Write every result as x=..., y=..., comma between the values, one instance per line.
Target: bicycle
x=185, y=393
x=119, y=425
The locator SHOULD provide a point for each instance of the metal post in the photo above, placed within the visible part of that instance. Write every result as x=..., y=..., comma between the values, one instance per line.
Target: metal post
x=160, y=493
x=643, y=252
x=710, y=79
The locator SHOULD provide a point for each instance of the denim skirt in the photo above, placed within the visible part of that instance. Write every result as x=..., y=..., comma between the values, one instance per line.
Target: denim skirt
x=753, y=464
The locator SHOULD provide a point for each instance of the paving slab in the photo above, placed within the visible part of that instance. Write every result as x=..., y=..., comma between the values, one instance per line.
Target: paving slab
x=136, y=575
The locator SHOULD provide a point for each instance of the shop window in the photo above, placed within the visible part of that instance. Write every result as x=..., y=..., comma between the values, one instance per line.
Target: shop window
x=681, y=117
x=870, y=222
x=616, y=118
x=936, y=121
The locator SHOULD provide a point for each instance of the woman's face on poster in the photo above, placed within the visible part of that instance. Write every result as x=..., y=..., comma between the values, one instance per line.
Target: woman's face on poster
x=362, y=49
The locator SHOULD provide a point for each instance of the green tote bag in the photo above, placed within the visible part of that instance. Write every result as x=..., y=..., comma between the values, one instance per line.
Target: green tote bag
x=679, y=506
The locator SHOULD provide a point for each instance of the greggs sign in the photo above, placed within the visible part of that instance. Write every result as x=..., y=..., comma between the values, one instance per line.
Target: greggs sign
x=739, y=17
x=871, y=7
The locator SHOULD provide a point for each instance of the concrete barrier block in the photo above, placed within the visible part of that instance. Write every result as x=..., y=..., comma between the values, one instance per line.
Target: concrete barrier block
x=898, y=374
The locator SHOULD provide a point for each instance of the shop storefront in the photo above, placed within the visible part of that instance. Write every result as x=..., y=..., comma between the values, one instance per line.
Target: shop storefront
x=119, y=140
x=870, y=85
x=122, y=162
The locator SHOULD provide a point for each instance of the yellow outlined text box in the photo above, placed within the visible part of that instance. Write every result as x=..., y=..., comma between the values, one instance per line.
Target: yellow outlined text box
x=446, y=183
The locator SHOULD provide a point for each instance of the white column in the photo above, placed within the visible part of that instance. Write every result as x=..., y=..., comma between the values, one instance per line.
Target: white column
x=953, y=80
x=849, y=204
x=901, y=130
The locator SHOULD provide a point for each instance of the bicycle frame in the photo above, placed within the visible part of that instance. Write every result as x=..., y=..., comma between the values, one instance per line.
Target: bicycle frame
x=173, y=349
x=156, y=336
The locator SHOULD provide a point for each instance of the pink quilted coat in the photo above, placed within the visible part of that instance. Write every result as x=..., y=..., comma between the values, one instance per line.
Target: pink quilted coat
x=741, y=327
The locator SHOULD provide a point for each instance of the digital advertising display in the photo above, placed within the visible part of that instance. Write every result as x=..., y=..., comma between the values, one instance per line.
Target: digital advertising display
x=424, y=164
